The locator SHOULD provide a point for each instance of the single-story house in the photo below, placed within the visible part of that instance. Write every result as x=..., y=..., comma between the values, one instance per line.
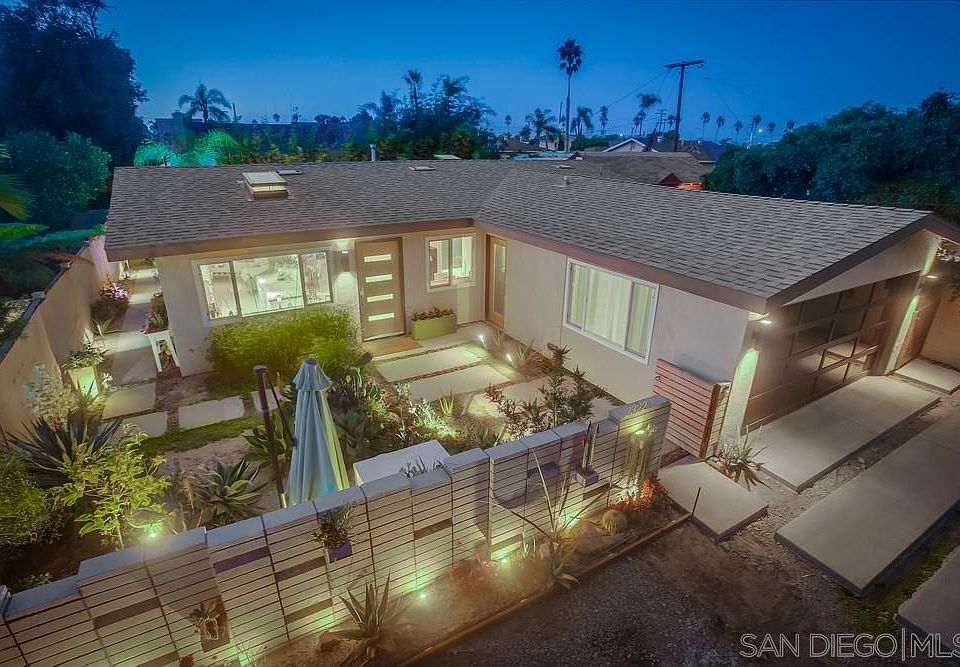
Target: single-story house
x=628, y=145
x=786, y=299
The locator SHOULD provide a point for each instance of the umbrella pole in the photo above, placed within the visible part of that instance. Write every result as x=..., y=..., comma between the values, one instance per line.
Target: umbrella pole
x=261, y=372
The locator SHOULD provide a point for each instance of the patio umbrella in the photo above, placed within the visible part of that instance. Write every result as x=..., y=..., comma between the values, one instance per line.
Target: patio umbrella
x=316, y=465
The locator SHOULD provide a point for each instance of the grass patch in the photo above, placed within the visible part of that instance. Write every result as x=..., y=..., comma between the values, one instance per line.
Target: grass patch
x=218, y=388
x=877, y=616
x=182, y=441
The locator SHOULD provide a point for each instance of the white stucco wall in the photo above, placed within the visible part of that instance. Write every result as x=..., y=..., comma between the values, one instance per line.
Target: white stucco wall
x=702, y=336
x=186, y=310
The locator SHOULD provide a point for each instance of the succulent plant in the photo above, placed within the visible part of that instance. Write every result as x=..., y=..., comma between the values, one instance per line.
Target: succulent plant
x=614, y=521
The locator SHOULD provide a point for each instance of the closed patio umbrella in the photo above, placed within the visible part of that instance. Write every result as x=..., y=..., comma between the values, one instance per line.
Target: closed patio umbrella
x=316, y=465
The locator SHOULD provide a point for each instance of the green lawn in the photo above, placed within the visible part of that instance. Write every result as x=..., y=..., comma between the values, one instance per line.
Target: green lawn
x=181, y=441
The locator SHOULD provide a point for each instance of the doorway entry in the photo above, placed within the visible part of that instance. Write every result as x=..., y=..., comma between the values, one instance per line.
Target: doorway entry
x=496, y=279
x=380, y=281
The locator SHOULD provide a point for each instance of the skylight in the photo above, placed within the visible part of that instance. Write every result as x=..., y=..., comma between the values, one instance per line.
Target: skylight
x=265, y=184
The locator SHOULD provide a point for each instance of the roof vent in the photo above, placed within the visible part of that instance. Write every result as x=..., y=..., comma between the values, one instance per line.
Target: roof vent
x=290, y=172
x=265, y=184
x=564, y=166
x=422, y=167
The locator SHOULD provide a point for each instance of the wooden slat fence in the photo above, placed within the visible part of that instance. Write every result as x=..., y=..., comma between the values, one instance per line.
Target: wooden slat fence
x=697, y=408
x=271, y=580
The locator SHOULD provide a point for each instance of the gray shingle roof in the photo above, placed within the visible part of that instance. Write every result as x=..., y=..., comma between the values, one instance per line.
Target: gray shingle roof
x=751, y=245
x=638, y=166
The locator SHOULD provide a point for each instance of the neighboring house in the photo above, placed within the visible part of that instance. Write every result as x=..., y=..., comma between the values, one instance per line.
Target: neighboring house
x=786, y=299
x=630, y=145
x=678, y=170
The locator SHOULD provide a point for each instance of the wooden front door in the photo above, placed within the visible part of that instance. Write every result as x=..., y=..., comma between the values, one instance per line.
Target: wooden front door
x=380, y=278
x=496, y=279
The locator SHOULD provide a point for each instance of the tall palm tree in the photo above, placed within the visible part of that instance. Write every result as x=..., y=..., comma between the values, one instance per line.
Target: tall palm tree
x=209, y=103
x=737, y=128
x=719, y=121
x=754, y=126
x=414, y=79
x=705, y=117
x=604, y=117
x=638, y=121
x=584, y=120
x=671, y=119
x=15, y=199
x=647, y=102
x=790, y=125
x=507, y=120
x=540, y=120
x=771, y=128
x=571, y=59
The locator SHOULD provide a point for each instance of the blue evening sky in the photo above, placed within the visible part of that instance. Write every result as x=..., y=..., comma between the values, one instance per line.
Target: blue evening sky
x=799, y=60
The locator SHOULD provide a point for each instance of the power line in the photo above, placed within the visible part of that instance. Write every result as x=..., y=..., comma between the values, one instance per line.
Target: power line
x=682, y=66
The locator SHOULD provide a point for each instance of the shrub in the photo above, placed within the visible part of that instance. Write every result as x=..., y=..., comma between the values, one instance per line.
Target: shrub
x=613, y=521
x=432, y=313
x=335, y=527
x=48, y=397
x=283, y=341
x=157, y=319
x=117, y=295
x=25, y=512
x=227, y=493
x=86, y=357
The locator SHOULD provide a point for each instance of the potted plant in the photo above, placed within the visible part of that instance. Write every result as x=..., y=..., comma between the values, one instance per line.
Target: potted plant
x=82, y=368
x=334, y=532
x=157, y=329
x=432, y=323
x=210, y=621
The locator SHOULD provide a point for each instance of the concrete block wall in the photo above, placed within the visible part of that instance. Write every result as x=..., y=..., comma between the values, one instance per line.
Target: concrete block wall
x=275, y=583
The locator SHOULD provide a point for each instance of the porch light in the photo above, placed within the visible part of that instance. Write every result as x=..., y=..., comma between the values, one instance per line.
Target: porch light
x=422, y=595
x=344, y=260
x=766, y=321
x=931, y=276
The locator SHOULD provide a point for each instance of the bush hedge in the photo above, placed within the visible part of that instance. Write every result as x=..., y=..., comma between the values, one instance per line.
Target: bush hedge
x=283, y=341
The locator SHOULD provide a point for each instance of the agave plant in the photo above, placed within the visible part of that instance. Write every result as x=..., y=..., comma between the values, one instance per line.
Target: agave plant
x=206, y=618
x=228, y=493
x=736, y=459
x=282, y=437
x=375, y=617
x=54, y=452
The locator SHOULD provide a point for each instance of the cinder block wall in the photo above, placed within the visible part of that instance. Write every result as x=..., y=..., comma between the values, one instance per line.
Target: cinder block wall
x=132, y=608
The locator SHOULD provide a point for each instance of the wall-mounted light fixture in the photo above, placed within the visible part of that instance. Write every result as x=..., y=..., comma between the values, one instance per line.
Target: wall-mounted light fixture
x=766, y=321
x=344, y=260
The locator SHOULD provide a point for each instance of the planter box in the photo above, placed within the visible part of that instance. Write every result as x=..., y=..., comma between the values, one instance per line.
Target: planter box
x=433, y=327
x=345, y=550
x=86, y=379
x=586, y=477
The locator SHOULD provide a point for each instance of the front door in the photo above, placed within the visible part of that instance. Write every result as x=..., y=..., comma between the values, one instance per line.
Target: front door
x=380, y=277
x=496, y=279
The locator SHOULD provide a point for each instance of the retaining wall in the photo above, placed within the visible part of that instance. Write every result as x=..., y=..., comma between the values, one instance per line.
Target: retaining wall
x=132, y=607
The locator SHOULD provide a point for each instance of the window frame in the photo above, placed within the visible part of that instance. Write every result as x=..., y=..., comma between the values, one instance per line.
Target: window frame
x=451, y=285
x=634, y=282
x=298, y=252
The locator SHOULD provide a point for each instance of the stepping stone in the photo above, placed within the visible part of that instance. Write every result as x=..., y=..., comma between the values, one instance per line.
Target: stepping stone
x=930, y=375
x=430, y=363
x=153, y=424
x=467, y=380
x=210, y=412
x=271, y=404
x=130, y=400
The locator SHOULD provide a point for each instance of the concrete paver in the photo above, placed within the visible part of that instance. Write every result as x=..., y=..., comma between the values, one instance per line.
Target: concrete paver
x=930, y=375
x=432, y=362
x=467, y=380
x=153, y=424
x=210, y=412
x=935, y=607
x=130, y=400
x=724, y=506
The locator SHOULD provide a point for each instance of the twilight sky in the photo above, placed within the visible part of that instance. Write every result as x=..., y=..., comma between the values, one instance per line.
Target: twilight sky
x=799, y=60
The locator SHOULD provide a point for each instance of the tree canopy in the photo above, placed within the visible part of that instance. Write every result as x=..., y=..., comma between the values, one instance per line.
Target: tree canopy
x=868, y=154
x=58, y=73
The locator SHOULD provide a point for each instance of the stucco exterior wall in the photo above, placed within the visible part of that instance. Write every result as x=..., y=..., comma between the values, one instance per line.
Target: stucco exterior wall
x=699, y=335
x=943, y=339
x=58, y=324
x=186, y=311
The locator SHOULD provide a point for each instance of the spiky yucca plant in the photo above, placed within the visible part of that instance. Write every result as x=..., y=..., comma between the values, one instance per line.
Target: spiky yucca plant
x=375, y=617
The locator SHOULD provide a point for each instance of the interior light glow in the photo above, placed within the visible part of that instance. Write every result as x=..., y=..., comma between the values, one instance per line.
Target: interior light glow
x=766, y=321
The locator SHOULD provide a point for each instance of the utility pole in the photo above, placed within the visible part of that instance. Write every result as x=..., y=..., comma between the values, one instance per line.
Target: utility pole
x=682, y=66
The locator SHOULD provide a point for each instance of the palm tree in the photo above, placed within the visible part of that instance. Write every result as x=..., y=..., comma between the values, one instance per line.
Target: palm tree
x=209, y=103
x=754, y=126
x=771, y=128
x=647, y=101
x=15, y=199
x=414, y=79
x=540, y=120
x=571, y=58
x=737, y=128
x=584, y=120
x=790, y=125
x=671, y=119
x=604, y=117
x=705, y=117
x=719, y=121
x=638, y=121
x=507, y=120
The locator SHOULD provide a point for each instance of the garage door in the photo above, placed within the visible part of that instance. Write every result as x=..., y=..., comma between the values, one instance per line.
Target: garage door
x=813, y=347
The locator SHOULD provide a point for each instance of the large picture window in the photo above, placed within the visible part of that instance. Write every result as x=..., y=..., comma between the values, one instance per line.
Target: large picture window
x=450, y=261
x=255, y=285
x=612, y=308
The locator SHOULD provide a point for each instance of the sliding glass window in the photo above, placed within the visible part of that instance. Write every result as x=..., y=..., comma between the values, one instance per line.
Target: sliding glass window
x=612, y=308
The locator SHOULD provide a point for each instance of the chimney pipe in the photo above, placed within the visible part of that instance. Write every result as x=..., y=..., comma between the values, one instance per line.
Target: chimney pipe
x=373, y=152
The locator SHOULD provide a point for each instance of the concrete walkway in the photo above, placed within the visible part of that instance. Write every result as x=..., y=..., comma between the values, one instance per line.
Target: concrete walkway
x=131, y=360
x=803, y=446
x=935, y=606
x=930, y=375
x=861, y=530
x=724, y=507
